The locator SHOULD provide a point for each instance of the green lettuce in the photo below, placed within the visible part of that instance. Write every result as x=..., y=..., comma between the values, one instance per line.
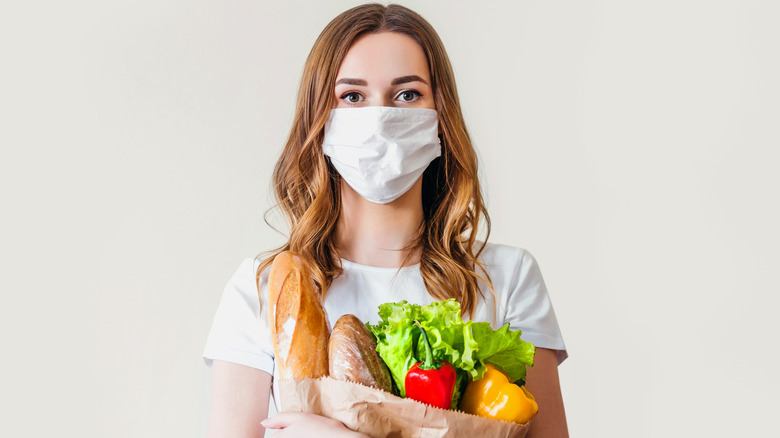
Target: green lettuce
x=467, y=345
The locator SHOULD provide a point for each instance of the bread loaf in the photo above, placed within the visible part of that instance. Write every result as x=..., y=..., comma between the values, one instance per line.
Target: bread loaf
x=299, y=326
x=353, y=356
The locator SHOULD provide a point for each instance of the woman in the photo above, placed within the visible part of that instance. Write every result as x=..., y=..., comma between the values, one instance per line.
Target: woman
x=379, y=182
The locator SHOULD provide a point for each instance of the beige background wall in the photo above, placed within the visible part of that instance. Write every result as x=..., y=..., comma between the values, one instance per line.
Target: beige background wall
x=631, y=146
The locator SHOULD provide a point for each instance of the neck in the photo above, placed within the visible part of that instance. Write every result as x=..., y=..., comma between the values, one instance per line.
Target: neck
x=375, y=234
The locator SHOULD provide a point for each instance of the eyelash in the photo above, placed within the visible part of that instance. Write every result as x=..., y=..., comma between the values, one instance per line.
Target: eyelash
x=416, y=93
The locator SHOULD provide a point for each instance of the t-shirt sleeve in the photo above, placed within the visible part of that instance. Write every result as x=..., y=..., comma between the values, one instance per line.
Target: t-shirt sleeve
x=240, y=332
x=529, y=308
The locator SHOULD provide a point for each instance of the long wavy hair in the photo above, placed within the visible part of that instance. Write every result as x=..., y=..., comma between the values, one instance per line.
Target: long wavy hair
x=307, y=187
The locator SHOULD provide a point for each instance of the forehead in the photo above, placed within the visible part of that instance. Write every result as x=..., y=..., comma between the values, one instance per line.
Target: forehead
x=383, y=57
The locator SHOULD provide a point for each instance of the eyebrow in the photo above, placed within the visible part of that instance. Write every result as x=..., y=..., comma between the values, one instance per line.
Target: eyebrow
x=410, y=78
x=350, y=81
x=396, y=81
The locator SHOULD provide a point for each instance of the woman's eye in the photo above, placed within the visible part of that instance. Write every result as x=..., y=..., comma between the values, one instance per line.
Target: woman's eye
x=409, y=95
x=352, y=97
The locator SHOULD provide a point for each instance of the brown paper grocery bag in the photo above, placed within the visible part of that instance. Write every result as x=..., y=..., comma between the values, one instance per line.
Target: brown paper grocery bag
x=380, y=414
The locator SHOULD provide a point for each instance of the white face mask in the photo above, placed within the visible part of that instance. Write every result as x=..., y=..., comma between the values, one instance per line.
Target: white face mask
x=381, y=151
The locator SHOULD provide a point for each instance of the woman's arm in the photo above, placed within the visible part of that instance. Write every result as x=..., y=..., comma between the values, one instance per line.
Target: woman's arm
x=239, y=401
x=542, y=381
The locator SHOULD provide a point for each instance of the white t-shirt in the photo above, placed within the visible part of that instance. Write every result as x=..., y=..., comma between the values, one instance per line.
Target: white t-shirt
x=240, y=332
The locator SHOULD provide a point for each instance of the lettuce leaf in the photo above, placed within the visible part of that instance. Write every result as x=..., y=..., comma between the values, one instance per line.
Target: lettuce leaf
x=467, y=345
x=504, y=349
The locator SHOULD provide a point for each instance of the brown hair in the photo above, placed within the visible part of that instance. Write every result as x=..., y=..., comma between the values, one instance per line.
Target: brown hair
x=307, y=187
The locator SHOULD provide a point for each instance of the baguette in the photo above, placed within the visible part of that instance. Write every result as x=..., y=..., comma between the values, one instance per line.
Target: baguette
x=299, y=326
x=353, y=356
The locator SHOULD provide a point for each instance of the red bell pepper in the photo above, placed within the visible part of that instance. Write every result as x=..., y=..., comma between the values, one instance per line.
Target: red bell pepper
x=432, y=382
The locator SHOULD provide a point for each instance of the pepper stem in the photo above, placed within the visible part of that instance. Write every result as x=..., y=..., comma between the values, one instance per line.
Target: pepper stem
x=429, y=364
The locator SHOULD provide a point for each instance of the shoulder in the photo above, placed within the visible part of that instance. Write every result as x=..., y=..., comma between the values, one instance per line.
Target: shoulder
x=523, y=298
x=497, y=251
x=247, y=271
x=242, y=289
x=500, y=259
x=514, y=273
x=239, y=330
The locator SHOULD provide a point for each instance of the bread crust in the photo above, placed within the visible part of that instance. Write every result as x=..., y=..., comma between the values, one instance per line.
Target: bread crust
x=299, y=325
x=353, y=356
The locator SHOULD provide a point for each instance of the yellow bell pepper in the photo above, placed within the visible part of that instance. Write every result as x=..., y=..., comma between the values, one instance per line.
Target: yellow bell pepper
x=494, y=396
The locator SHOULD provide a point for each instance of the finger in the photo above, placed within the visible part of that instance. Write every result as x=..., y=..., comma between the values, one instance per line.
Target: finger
x=282, y=420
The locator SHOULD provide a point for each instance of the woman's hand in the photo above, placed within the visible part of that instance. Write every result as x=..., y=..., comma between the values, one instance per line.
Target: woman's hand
x=296, y=424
